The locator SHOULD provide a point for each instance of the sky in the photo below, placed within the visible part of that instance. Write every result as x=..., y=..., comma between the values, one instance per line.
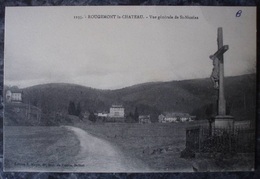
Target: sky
x=49, y=45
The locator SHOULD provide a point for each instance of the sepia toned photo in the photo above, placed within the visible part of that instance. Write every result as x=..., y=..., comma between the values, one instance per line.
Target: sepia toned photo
x=129, y=89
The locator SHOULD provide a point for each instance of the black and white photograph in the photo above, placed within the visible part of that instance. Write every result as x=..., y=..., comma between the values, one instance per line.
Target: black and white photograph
x=129, y=89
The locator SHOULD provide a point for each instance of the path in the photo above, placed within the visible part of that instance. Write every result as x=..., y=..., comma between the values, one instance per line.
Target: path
x=98, y=155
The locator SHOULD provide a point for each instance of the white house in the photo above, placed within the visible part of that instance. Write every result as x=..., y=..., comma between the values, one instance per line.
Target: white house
x=102, y=114
x=174, y=117
x=14, y=96
x=167, y=118
x=117, y=111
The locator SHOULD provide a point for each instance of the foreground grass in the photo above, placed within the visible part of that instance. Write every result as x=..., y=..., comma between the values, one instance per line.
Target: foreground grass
x=31, y=147
x=38, y=147
x=158, y=145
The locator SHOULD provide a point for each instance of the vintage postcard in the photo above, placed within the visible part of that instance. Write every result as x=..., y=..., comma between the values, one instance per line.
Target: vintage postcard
x=129, y=89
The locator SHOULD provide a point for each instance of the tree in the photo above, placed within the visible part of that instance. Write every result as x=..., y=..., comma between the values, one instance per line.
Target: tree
x=130, y=114
x=78, y=110
x=136, y=115
x=92, y=117
x=71, y=108
x=130, y=118
x=44, y=104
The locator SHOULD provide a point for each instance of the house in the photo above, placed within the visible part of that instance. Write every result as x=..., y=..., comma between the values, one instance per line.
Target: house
x=102, y=114
x=144, y=119
x=117, y=111
x=167, y=118
x=116, y=114
x=14, y=96
x=174, y=117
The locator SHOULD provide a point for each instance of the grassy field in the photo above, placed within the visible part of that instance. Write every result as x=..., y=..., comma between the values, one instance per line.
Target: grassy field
x=38, y=147
x=158, y=145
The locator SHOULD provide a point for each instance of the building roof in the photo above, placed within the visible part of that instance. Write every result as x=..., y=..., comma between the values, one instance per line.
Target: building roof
x=15, y=90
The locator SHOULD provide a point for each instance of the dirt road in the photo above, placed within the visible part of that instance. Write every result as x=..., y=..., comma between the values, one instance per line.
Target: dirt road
x=98, y=155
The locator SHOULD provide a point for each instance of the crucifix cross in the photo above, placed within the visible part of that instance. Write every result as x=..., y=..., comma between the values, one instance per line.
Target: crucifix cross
x=220, y=52
x=219, y=67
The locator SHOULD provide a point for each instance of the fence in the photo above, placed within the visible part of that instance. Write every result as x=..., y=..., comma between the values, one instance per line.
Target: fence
x=203, y=139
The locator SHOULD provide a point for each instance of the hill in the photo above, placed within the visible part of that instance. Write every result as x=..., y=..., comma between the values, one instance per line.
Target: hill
x=196, y=97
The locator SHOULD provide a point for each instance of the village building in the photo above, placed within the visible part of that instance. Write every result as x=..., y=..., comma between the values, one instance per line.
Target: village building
x=144, y=119
x=14, y=96
x=117, y=111
x=102, y=114
x=168, y=117
x=116, y=114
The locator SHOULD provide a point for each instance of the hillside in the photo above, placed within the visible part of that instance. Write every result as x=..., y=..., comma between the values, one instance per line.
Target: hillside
x=191, y=96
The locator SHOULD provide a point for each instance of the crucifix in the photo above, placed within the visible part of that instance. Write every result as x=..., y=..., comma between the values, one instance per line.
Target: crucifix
x=218, y=72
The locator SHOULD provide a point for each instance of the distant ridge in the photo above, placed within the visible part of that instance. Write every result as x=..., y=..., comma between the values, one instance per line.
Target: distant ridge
x=190, y=96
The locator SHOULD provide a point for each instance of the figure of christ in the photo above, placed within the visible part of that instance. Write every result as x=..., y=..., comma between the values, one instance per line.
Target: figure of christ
x=215, y=71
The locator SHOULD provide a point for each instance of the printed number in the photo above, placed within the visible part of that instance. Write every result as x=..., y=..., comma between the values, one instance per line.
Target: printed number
x=78, y=17
x=238, y=14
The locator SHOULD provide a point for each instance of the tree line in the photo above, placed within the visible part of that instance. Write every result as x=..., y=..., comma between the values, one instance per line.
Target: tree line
x=73, y=110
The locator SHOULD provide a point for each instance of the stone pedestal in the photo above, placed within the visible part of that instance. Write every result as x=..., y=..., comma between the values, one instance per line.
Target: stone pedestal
x=224, y=122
